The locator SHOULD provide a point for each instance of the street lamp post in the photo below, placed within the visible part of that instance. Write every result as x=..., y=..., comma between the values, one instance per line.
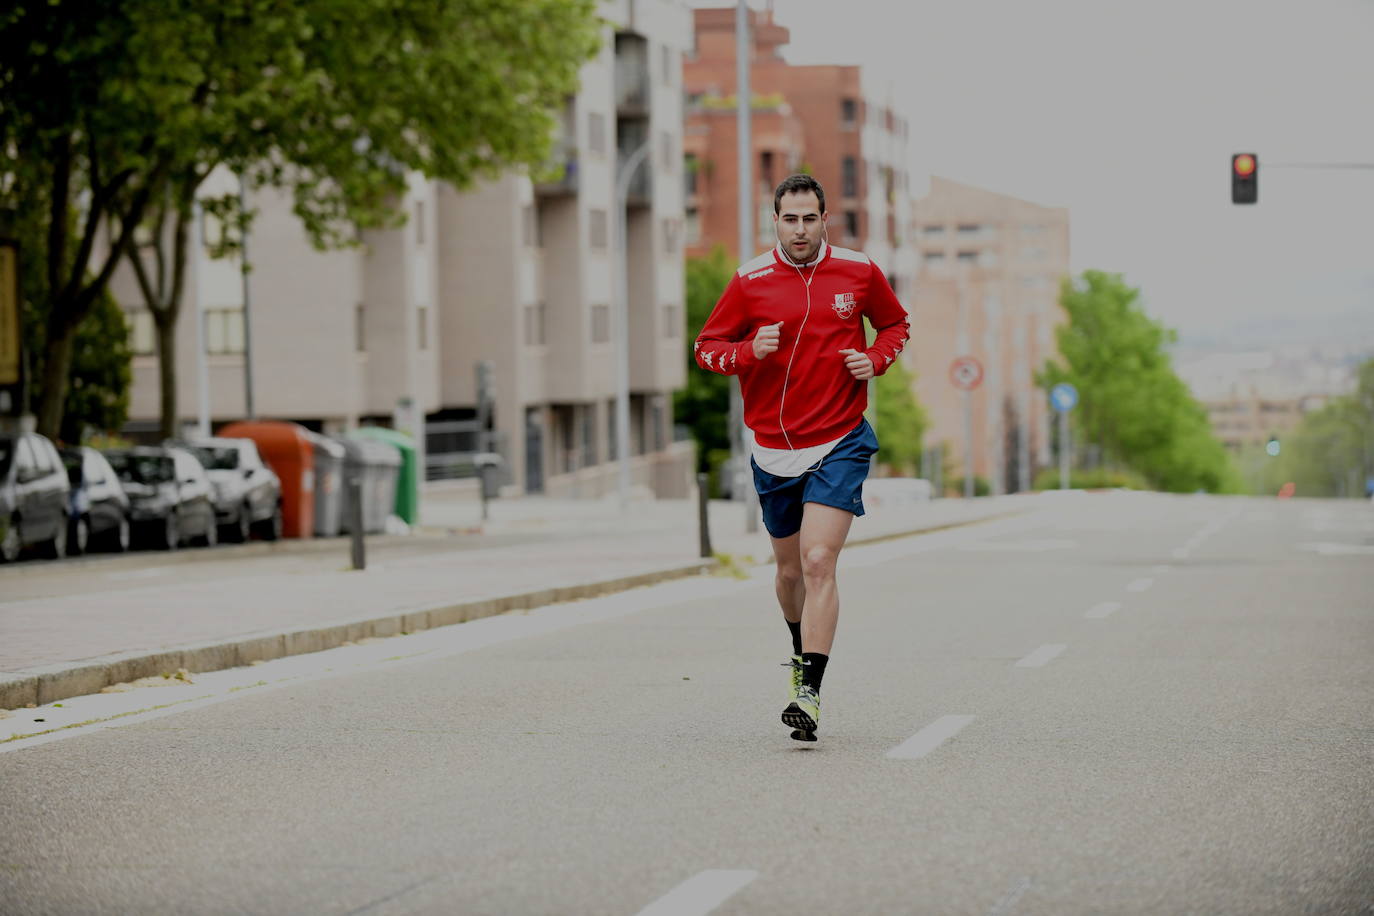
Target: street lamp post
x=622, y=317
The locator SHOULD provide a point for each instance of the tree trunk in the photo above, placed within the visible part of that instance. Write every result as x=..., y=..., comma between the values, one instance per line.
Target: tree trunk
x=57, y=366
x=167, y=373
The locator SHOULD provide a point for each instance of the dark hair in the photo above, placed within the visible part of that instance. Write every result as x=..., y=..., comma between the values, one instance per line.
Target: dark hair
x=798, y=184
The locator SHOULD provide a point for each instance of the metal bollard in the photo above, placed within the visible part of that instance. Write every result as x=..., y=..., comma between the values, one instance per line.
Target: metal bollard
x=702, y=521
x=355, y=520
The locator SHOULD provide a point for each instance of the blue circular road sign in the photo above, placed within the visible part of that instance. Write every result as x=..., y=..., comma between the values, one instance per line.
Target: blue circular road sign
x=1064, y=397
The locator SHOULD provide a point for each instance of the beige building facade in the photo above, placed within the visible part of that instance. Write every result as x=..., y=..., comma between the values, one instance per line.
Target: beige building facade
x=988, y=287
x=517, y=276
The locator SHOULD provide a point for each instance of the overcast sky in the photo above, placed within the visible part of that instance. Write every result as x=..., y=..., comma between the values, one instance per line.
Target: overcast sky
x=1127, y=113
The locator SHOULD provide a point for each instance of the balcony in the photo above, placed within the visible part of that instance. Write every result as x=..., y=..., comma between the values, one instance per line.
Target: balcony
x=641, y=185
x=559, y=177
x=631, y=76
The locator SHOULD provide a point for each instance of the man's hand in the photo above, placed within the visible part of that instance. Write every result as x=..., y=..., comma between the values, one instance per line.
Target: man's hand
x=766, y=340
x=858, y=364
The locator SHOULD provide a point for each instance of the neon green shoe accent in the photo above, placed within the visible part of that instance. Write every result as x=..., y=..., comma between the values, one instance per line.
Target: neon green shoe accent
x=795, y=663
x=804, y=712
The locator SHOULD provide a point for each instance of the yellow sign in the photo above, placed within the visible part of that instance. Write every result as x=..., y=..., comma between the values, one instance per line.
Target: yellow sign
x=9, y=313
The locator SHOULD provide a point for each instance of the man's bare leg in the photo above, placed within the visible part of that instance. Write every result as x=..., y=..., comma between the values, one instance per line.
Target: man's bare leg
x=788, y=581
x=823, y=532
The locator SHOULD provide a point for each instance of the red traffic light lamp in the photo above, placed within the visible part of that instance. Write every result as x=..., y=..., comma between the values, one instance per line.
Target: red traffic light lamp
x=1244, y=178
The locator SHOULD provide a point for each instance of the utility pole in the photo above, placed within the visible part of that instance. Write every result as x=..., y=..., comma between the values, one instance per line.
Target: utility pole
x=248, y=411
x=740, y=437
x=622, y=319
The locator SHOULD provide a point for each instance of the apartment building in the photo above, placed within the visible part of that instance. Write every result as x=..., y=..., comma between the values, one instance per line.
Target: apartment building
x=831, y=121
x=513, y=281
x=988, y=287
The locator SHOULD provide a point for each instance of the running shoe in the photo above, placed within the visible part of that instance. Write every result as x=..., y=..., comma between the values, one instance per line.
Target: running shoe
x=804, y=712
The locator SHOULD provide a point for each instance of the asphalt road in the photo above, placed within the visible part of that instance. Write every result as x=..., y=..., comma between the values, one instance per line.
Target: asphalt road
x=1115, y=704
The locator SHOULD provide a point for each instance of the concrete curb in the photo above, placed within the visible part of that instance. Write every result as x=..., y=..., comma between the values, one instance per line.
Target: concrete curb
x=60, y=681
x=67, y=679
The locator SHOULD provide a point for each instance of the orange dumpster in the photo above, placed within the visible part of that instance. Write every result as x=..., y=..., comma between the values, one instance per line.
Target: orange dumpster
x=287, y=448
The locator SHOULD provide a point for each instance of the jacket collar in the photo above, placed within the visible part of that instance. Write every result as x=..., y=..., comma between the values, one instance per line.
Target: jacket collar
x=821, y=254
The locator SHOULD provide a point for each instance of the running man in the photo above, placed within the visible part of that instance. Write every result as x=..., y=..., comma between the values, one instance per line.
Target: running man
x=790, y=326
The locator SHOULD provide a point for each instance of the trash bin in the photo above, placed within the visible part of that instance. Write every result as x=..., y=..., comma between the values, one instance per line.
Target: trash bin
x=329, y=485
x=407, y=502
x=488, y=466
x=376, y=464
x=287, y=449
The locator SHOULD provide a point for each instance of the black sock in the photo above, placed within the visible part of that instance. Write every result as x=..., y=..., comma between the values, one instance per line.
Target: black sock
x=813, y=669
x=796, y=636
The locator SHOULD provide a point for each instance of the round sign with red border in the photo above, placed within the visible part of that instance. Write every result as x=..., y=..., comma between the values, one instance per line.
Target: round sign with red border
x=966, y=373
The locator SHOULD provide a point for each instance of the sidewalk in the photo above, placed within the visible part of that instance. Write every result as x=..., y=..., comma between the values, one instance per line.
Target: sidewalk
x=222, y=613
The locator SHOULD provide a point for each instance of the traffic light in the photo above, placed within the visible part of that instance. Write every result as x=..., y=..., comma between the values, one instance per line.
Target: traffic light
x=1244, y=178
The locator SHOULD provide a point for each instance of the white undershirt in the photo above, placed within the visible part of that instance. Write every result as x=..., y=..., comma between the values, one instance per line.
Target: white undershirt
x=792, y=462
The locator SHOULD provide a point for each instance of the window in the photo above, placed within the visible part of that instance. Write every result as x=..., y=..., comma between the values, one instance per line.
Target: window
x=667, y=150
x=359, y=335
x=419, y=222
x=935, y=259
x=534, y=325
x=224, y=331
x=932, y=230
x=849, y=112
x=850, y=172
x=422, y=327
x=766, y=168
x=529, y=226
x=596, y=132
x=693, y=227
x=601, y=324
x=142, y=336
x=672, y=322
x=851, y=224
x=970, y=229
x=671, y=64
x=968, y=257
x=597, y=228
x=690, y=164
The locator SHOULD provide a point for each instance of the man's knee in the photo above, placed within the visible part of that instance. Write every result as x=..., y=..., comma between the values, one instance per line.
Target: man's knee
x=818, y=561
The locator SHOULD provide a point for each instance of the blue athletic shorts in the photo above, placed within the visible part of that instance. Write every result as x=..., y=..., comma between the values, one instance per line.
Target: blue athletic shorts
x=837, y=481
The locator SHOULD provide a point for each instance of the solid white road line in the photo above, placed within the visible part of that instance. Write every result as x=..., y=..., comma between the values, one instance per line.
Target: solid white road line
x=1140, y=585
x=930, y=737
x=1104, y=609
x=1041, y=656
x=700, y=894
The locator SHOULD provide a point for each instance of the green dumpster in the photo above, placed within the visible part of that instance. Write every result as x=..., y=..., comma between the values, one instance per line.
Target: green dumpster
x=408, y=480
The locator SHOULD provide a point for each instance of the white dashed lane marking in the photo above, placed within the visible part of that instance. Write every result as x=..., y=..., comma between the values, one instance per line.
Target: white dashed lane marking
x=1104, y=609
x=1140, y=585
x=1041, y=656
x=700, y=894
x=930, y=737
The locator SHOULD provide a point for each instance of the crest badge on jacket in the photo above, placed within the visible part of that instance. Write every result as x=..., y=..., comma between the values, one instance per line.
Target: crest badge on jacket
x=844, y=304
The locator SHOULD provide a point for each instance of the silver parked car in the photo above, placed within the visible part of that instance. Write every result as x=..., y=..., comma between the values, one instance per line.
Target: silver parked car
x=247, y=493
x=99, y=510
x=169, y=494
x=33, y=496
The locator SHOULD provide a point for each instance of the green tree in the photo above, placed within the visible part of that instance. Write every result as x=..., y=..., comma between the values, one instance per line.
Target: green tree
x=1131, y=403
x=1331, y=452
x=703, y=406
x=125, y=109
x=899, y=420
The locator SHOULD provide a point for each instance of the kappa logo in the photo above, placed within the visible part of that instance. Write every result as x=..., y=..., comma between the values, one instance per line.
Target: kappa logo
x=844, y=304
x=760, y=273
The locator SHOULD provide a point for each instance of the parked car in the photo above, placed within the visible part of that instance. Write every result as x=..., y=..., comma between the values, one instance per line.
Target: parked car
x=170, y=499
x=247, y=493
x=98, y=512
x=33, y=496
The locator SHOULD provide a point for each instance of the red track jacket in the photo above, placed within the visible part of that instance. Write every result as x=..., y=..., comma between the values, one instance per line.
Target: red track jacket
x=802, y=394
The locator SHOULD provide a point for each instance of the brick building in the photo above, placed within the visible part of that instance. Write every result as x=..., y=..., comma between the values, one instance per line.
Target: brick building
x=988, y=287
x=827, y=120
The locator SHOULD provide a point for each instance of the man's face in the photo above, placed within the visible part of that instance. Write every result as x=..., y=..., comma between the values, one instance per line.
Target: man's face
x=800, y=223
